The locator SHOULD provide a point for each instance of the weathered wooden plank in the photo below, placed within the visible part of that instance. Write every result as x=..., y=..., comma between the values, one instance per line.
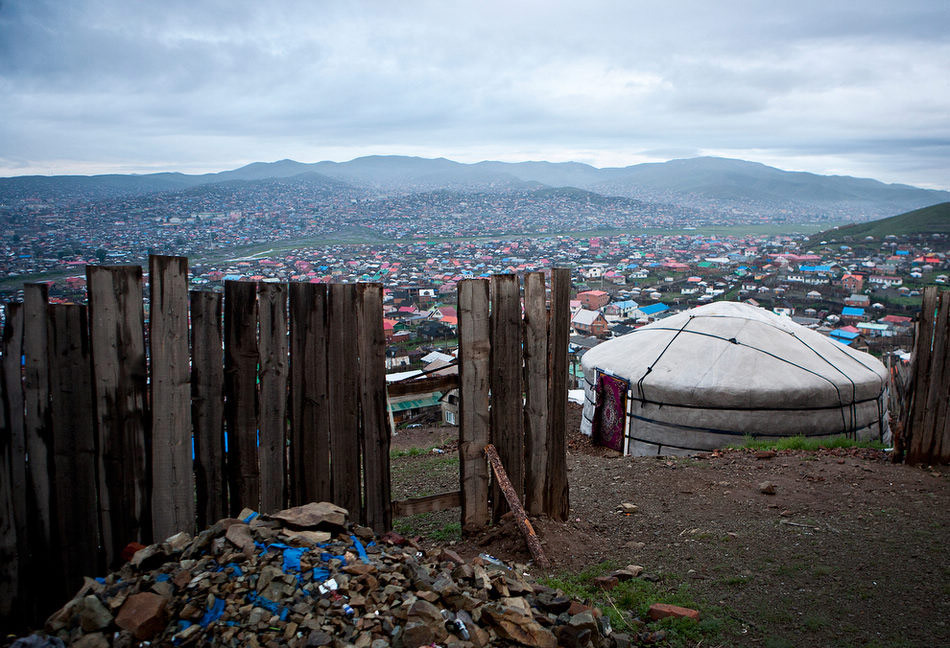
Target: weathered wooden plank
x=343, y=377
x=938, y=396
x=117, y=334
x=173, y=483
x=310, y=412
x=557, y=500
x=376, y=433
x=531, y=538
x=272, y=302
x=536, y=391
x=425, y=385
x=507, y=416
x=72, y=421
x=39, y=442
x=207, y=407
x=240, y=394
x=474, y=424
x=427, y=504
x=923, y=357
x=14, y=541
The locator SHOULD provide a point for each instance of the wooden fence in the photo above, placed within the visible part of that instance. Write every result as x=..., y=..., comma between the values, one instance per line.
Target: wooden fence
x=924, y=427
x=275, y=395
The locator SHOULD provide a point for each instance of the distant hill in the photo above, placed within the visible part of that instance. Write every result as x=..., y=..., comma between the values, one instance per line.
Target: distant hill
x=716, y=183
x=928, y=220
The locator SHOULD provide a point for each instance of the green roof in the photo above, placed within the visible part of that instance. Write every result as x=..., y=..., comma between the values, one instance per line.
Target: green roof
x=415, y=403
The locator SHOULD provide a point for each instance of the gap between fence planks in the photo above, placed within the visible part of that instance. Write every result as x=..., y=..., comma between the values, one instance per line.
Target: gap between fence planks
x=173, y=484
x=531, y=538
x=427, y=504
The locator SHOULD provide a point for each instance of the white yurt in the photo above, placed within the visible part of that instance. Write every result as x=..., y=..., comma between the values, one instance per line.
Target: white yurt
x=704, y=378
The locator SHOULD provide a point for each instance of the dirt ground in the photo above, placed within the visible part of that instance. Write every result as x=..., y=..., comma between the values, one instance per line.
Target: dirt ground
x=850, y=550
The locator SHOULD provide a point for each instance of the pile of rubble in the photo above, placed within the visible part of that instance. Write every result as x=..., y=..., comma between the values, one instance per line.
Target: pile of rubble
x=305, y=577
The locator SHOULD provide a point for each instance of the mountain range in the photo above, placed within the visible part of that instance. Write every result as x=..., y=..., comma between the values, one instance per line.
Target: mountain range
x=720, y=183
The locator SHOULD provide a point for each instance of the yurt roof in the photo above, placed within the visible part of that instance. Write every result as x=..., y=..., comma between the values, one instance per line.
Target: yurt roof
x=737, y=356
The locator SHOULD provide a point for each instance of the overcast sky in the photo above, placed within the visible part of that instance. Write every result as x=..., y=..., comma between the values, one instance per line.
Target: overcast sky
x=855, y=88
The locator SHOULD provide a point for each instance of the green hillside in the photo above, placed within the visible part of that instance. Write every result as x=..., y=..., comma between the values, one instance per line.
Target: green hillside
x=927, y=220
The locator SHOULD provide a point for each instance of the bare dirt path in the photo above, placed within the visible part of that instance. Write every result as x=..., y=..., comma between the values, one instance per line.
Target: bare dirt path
x=850, y=550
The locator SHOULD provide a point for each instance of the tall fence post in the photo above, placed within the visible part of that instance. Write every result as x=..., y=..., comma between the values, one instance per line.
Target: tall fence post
x=927, y=431
x=272, y=424
x=474, y=419
x=117, y=333
x=343, y=367
x=557, y=499
x=39, y=448
x=309, y=410
x=173, y=485
x=14, y=544
x=375, y=423
x=207, y=407
x=240, y=393
x=507, y=418
x=536, y=391
x=72, y=419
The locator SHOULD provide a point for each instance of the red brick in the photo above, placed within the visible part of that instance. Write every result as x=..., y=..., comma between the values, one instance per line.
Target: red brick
x=606, y=582
x=663, y=610
x=143, y=615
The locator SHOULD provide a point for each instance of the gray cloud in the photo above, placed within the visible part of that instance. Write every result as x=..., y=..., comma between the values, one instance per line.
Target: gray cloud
x=858, y=87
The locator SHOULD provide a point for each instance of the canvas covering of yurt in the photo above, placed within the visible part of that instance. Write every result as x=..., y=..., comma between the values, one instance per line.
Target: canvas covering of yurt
x=704, y=378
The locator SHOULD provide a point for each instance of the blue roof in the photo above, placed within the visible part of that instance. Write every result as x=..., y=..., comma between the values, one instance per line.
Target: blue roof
x=817, y=268
x=902, y=252
x=627, y=303
x=653, y=309
x=844, y=335
x=852, y=311
x=842, y=341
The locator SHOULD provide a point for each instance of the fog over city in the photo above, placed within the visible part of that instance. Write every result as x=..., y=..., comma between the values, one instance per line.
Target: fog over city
x=103, y=86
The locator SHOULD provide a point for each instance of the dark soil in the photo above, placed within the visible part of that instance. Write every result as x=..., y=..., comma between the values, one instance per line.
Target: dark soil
x=850, y=550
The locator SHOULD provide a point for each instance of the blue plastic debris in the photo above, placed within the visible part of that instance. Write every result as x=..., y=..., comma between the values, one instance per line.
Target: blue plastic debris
x=250, y=517
x=213, y=614
x=292, y=558
x=161, y=578
x=360, y=549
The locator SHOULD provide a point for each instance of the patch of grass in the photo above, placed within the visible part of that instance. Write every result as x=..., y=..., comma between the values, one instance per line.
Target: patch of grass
x=411, y=452
x=736, y=581
x=448, y=532
x=778, y=642
x=805, y=443
x=814, y=622
x=631, y=599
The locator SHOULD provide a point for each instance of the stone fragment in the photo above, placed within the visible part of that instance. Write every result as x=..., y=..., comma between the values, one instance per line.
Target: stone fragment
x=240, y=536
x=513, y=626
x=662, y=610
x=767, y=488
x=306, y=537
x=628, y=572
x=94, y=640
x=606, y=582
x=178, y=542
x=93, y=615
x=143, y=615
x=765, y=454
x=629, y=507
x=313, y=515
